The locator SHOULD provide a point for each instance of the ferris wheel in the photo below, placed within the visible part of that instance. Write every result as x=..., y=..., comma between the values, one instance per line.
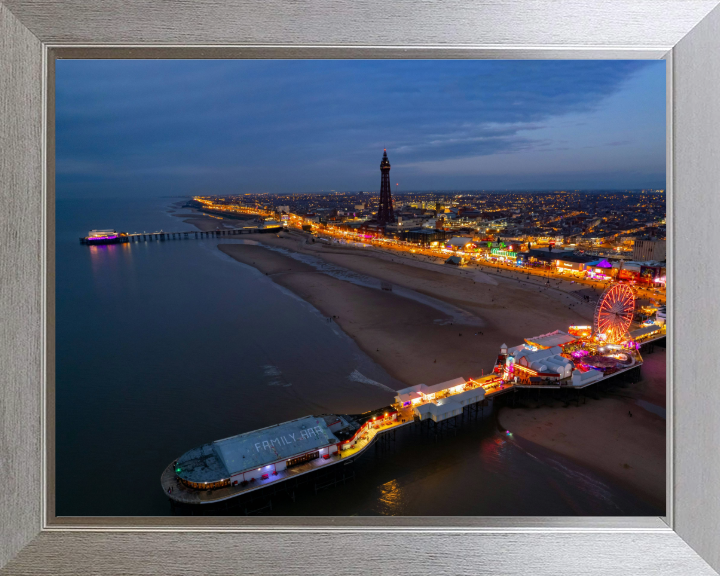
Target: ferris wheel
x=614, y=312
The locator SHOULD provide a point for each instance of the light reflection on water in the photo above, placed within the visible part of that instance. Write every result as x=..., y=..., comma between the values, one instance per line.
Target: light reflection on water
x=160, y=347
x=475, y=471
x=390, y=502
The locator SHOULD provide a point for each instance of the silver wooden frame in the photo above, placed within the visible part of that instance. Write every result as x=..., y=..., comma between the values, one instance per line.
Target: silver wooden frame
x=32, y=34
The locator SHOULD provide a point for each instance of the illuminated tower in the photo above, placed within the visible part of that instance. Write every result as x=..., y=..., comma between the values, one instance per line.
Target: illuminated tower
x=386, y=214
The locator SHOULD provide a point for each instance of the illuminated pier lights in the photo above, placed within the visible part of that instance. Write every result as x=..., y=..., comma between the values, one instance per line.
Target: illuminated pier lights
x=582, y=355
x=104, y=237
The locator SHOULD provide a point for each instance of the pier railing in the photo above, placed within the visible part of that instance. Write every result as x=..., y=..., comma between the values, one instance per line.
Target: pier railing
x=191, y=234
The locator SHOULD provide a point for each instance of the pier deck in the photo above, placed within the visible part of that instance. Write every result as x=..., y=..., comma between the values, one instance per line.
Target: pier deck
x=185, y=495
x=125, y=238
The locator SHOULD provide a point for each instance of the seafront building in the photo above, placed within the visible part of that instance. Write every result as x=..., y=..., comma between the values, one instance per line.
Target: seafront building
x=582, y=235
x=263, y=455
x=649, y=249
x=438, y=234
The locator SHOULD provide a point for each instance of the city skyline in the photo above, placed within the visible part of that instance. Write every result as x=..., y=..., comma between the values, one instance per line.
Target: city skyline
x=145, y=128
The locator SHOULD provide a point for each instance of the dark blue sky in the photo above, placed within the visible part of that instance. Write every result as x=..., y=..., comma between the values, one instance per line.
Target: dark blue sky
x=158, y=128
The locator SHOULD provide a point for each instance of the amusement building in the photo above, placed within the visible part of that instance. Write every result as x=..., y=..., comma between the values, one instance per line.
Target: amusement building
x=583, y=354
x=574, y=359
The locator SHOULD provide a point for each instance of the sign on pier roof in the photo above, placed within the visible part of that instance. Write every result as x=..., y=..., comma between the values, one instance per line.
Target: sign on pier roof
x=275, y=443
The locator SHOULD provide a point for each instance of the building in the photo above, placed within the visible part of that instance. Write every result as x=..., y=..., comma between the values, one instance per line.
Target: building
x=250, y=456
x=561, y=259
x=424, y=393
x=423, y=236
x=460, y=243
x=598, y=269
x=455, y=261
x=443, y=410
x=651, y=272
x=581, y=379
x=386, y=214
x=644, y=250
x=550, y=340
x=439, y=401
x=546, y=363
x=104, y=237
x=405, y=223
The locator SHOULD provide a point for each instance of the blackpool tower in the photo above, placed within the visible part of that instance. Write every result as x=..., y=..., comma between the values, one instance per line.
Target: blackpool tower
x=386, y=215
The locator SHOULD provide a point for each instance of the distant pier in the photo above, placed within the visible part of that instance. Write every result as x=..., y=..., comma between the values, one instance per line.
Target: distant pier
x=123, y=238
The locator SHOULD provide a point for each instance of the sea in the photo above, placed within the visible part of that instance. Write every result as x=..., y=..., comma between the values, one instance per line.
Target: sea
x=164, y=346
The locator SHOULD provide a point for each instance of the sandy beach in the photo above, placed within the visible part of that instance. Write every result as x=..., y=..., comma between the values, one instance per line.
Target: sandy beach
x=603, y=435
x=416, y=342
x=413, y=342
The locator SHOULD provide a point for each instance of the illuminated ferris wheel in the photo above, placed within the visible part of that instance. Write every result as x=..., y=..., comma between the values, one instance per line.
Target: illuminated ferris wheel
x=614, y=312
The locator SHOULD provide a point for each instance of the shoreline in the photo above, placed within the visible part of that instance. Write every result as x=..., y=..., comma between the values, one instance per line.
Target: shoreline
x=412, y=341
x=362, y=313
x=406, y=339
x=632, y=451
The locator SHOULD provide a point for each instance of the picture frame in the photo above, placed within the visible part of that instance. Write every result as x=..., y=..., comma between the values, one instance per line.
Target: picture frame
x=686, y=33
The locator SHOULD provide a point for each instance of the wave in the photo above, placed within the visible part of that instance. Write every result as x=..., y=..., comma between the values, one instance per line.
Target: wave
x=275, y=374
x=356, y=376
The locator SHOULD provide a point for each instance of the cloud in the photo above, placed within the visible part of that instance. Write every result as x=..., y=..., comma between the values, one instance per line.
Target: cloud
x=320, y=124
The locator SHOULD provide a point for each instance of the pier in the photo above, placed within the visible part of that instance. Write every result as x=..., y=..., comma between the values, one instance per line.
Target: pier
x=378, y=436
x=559, y=365
x=383, y=432
x=257, y=497
x=185, y=495
x=129, y=237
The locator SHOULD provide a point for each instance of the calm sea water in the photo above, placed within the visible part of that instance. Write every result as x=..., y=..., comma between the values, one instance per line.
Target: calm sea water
x=162, y=346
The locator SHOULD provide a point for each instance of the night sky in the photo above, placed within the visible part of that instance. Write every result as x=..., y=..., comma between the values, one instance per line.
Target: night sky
x=164, y=128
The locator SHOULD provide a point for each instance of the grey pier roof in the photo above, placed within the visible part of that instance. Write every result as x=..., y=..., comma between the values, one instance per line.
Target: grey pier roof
x=224, y=458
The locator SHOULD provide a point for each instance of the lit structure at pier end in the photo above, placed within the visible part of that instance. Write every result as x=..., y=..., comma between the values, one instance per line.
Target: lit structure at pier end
x=249, y=457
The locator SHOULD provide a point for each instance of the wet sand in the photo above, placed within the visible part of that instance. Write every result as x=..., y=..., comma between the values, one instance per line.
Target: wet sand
x=413, y=342
x=405, y=337
x=602, y=435
x=508, y=310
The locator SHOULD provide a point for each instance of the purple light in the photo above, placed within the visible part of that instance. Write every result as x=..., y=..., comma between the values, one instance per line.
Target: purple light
x=93, y=238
